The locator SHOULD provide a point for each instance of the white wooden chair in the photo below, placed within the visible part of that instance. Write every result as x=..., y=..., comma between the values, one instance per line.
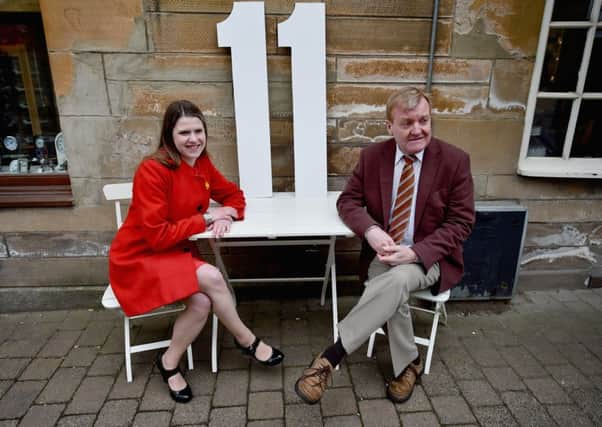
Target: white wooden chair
x=117, y=193
x=439, y=302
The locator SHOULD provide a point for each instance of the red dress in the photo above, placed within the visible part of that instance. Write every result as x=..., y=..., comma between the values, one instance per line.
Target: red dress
x=151, y=262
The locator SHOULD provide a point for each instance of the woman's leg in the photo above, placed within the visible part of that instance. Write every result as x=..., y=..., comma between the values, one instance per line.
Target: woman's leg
x=186, y=328
x=213, y=284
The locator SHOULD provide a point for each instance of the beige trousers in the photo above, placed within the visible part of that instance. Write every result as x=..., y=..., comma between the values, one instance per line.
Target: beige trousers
x=386, y=299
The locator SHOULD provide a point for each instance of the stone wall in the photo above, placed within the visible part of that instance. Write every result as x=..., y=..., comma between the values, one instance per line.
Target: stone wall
x=117, y=64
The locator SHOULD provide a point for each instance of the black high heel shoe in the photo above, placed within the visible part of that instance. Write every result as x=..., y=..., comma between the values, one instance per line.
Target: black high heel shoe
x=180, y=396
x=276, y=357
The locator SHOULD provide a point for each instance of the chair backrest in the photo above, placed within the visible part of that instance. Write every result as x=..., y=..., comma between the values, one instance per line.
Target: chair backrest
x=117, y=193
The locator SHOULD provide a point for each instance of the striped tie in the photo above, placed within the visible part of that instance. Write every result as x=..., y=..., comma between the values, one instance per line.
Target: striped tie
x=400, y=217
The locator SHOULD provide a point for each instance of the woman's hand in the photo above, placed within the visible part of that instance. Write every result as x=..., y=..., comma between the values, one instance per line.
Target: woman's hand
x=220, y=226
x=223, y=212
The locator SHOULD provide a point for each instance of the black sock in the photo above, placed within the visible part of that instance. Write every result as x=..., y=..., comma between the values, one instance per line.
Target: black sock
x=335, y=353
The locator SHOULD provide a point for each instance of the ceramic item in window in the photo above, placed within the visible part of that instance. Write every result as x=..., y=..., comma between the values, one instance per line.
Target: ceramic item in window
x=23, y=165
x=13, y=166
x=40, y=142
x=10, y=143
x=41, y=153
x=61, y=157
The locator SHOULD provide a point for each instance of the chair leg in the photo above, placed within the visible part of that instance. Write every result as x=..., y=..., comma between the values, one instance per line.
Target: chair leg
x=128, y=354
x=214, y=337
x=444, y=313
x=190, y=359
x=371, y=344
x=431, y=346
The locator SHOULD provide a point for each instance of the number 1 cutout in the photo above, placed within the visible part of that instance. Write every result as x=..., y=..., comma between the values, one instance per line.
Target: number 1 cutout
x=304, y=31
x=244, y=32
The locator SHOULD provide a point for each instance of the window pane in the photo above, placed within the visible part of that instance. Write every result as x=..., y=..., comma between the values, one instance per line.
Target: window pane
x=572, y=10
x=588, y=133
x=563, y=59
x=549, y=127
x=593, y=82
x=28, y=116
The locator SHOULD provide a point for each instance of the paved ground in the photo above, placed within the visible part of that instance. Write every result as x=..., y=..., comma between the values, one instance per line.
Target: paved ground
x=536, y=361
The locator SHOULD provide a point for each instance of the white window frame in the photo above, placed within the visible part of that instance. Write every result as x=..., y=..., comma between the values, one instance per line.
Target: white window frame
x=561, y=166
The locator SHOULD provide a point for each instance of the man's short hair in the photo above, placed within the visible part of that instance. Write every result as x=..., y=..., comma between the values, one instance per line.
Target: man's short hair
x=407, y=98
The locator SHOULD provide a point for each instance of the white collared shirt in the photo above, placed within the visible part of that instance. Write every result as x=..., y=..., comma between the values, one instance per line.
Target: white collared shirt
x=408, y=236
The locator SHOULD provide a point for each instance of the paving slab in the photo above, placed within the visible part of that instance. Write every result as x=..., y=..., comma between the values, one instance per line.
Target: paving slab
x=479, y=393
x=495, y=416
x=77, y=421
x=378, y=413
x=156, y=397
x=343, y=421
x=546, y=390
x=80, y=356
x=40, y=369
x=420, y=419
x=526, y=409
x=62, y=385
x=231, y=388
x=19, y=397
x=152, y=419
x=265, y=405
x=196, y=412
x=569, y=415
x=339, y=401
x=503, y=379
x=265, y=378
x=452, y=409
x=368, y=381
x=90, y=395
x=60, y=343
x=234, y=416
x=117, y=413
x=42, y=415
x=302, y=415
x=12, y=368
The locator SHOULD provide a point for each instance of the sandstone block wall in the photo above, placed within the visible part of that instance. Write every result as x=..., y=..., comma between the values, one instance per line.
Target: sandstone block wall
x=117, y=64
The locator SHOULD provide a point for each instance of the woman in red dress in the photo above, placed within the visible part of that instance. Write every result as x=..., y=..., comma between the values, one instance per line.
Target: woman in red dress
x=151, y=261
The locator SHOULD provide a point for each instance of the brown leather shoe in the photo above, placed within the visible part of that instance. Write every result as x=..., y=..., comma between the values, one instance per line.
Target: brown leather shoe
x=400, y=389
x=311, y=385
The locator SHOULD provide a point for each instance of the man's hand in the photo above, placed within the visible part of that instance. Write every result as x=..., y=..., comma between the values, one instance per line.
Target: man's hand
x=223, y=212
x=378, y=239
x=397, y=254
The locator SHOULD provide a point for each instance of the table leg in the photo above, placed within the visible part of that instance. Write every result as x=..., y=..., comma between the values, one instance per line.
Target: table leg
x=329, y=262
x=220, y=264
x=335, y=309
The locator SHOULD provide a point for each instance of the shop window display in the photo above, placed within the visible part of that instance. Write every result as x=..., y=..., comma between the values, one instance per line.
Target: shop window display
x=31, y=141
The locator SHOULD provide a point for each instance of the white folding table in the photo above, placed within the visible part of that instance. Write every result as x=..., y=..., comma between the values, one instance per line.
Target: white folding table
x=287, y=220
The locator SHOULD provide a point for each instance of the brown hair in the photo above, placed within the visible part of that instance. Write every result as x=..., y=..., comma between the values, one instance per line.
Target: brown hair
x=408, y=98
x=167, y=153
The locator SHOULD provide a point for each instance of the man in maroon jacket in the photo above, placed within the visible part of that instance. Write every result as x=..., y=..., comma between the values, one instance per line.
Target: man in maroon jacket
x=411, y=199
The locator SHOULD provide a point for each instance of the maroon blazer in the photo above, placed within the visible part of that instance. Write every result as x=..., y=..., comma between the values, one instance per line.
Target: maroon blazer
x=445, y=210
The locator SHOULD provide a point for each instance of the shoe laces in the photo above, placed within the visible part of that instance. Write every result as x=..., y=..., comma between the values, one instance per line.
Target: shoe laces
x=321, y=374
x=408, y=373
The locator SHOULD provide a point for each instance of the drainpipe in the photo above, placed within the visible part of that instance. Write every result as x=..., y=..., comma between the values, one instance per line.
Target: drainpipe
x=429, y=77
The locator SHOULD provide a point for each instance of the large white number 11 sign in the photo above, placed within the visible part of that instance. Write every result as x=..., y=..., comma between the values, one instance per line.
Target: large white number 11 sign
x=304, y=32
